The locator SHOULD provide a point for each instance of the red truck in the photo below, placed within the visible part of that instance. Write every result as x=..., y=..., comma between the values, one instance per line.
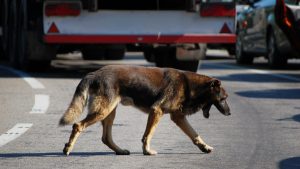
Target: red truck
x=169, y=32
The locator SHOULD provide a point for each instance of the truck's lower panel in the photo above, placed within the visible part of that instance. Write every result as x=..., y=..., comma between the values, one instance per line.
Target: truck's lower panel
x=92, y=39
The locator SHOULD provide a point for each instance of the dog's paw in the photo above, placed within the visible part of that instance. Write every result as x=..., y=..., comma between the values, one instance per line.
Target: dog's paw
x=206, y=115
x=209, y=149
x=67, y=149
x=123, y=152
x=206, y=148
x=150, y=152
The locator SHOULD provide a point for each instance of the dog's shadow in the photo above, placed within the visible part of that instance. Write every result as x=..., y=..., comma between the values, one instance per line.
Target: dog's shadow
x=54, y=154
x=74, y=154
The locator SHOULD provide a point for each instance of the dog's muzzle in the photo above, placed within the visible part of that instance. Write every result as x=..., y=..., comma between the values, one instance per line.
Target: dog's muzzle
x=223, y=107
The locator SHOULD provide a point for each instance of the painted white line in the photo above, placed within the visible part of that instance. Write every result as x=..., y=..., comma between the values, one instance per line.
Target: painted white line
x=35, y=84
x=14, y=133
x=41, y=104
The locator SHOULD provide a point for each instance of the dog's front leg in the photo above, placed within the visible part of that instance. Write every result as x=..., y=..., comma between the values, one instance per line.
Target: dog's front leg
x=153, y=119
x=182, y=122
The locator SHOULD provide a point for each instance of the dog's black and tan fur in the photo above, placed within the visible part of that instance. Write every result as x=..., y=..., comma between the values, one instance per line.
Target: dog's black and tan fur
x=155, y=91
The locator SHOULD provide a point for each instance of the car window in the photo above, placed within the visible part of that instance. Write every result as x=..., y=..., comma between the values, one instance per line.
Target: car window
x=241, y=8
x=264, y=3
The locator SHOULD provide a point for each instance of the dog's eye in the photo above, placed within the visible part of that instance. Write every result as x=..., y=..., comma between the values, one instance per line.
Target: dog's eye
x=223, y=98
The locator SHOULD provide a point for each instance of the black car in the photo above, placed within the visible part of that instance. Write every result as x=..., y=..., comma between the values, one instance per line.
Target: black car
x=259, y=35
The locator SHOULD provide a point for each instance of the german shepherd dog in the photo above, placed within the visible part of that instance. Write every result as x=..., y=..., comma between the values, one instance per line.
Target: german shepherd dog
x=156, y=91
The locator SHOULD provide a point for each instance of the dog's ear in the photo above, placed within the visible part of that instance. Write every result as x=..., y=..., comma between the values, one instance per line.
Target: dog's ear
x=215, y=83
x=206, y=110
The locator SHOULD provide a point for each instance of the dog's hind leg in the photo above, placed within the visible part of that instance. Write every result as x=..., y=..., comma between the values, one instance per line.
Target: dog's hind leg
x=99, y=108
x=79, y=127
x=182, y=122
x=153, y=119
x=107, y=134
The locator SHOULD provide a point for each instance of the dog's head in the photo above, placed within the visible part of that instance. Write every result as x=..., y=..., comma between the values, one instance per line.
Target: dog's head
x=217, y=96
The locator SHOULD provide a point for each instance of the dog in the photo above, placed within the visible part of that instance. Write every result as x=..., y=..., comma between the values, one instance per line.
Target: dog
x=156, y=91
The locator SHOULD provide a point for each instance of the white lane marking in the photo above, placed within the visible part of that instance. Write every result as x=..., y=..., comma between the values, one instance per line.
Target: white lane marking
x=261, y=72
x=14, y=133
x=35, y=84
x=41, y=104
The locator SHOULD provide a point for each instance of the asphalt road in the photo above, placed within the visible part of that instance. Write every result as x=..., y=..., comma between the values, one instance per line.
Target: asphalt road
x=263, y=131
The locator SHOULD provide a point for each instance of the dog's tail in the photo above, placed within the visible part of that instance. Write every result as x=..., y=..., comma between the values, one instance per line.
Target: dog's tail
x=77, y=104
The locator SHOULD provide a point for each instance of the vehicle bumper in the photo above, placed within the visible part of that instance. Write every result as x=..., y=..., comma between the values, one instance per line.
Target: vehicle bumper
x=192, y=38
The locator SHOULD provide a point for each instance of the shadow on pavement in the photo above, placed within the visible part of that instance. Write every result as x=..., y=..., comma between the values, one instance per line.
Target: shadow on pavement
x=54, y=154
x=222, y=65
x=227, y=64
x=271, y=94
x=290, y=163
x=293, y=118
x=257, y=78
x=78, y=154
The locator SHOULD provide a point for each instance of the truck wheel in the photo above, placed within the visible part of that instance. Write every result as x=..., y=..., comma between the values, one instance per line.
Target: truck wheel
x=104, y=51
x=166, y=57
x=203, y=48
x=93, y=52
x=32, y=53
x=240, y=55
x=149, y=53
x=115, y=52
x=4, y=24
x=12, y=33
x=275, y=59
x=188, y=65
x=162, y=57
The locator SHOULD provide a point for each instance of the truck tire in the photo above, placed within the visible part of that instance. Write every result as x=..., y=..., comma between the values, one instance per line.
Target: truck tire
x=149, y=53
x=12, y=33
x=240, y=55
x=188, y=65
x=203, y=48
x=275, y=59
x=166, y=57
x=115, y=52
x=4, y=24
x=103, y=51
x=93, y=52
x=32, y=54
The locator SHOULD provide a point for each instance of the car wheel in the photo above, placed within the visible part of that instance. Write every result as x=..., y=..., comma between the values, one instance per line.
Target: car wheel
x=240, y=55
x=275, y=59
